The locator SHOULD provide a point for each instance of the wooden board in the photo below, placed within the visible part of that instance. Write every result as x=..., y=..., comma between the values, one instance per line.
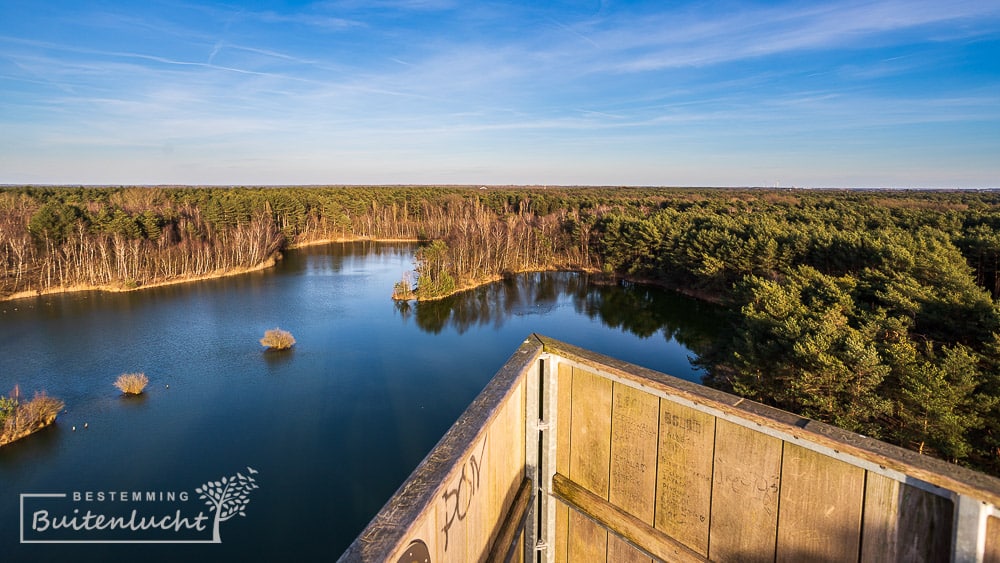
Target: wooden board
x=588, y=542
x=992, y=554
x=481, y=488
x=420, y=544
x=745, y=484
x=590, y=458
x=821, y=502
x=564, y=417
x=621, y=524
x=564, y=422
x=620, y=550
x=505, y=471
x=634, y=430
x=590, y=435
x=684, y=474
x=458, y=507
x=562, y=532
x=903, y=523
x=937, y=472
x=512, y=524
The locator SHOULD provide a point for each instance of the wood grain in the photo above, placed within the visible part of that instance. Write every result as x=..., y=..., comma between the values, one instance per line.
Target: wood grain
x=684, y=474
x=512, y=525
x=564, y=422
x=903, y=523
x=590, y=458
x=621, y=551
x=588, y=542
x=620, y=522
x=821, y=503
x=590, y=435
x=745, y=485
x=634, y=440
x=937, y=472
x=992, y=554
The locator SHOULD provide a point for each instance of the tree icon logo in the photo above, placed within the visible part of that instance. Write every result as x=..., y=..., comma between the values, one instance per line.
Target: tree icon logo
x=228, y=497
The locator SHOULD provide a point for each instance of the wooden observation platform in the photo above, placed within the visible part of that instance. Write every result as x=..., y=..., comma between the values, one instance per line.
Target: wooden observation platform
x=569, y=456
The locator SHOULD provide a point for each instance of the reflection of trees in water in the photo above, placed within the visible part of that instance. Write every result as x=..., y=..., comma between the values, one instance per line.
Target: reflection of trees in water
x=334, y=256
x=637, y=309
x=645, y=310
x=490, y=304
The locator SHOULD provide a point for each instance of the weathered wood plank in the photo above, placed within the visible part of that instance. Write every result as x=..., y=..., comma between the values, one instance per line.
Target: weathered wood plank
x=925, y=525
x=505, y=471
x=903, y=523
x=588, y=542
x=745, y=485
x=459, y=508
x=618, y=521
x=634, y=422
x=621, y=551
x=881, y=518
x=564, y=418
x=562, y=533
x=925, y=468
x=684, y=474
x=821, y=502
x=512, y=525
x=590, y=458
x=992, y=554
x=590, y=436
x=564, y=422
x=634, y=439
x=421, y=542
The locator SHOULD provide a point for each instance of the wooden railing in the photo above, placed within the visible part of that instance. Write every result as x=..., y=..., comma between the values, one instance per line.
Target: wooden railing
x=571, y=456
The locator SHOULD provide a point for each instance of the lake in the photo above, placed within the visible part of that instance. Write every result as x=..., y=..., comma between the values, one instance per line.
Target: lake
x=329, y=429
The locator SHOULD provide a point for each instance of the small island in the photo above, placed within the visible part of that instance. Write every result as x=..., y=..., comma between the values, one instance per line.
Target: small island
x=277, y=339
x=20, y=418
x=132, y=383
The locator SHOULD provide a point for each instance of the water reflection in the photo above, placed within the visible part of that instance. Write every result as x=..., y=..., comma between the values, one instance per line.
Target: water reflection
x=335, y=424
x=277, y=358
x=637, y=309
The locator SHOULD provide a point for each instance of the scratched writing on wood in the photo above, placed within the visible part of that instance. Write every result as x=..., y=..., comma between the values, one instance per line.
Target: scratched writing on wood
x=751, y=485
x=458, y=496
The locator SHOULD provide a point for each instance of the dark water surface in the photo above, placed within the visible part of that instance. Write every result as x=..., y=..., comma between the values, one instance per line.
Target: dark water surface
x=331, y=427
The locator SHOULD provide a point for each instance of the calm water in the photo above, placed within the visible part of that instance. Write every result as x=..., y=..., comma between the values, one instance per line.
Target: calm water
x=332, y=427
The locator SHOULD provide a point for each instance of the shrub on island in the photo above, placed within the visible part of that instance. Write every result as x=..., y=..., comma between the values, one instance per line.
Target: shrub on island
x=131, y=383
x=18, y=419
x=277, y=339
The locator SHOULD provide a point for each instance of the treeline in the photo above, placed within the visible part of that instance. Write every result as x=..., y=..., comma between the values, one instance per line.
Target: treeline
x=486, y=238
x=872, y=310
x=63, y=238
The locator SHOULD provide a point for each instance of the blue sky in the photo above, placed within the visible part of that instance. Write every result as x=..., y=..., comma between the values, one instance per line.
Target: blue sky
x=817, y=94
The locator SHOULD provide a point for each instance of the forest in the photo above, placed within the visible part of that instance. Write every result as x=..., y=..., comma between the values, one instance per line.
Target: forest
x=874, y=310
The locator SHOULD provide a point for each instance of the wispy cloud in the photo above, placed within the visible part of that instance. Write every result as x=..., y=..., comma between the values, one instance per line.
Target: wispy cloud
x=399, y=5
x=698, y=38
x=309, y=19
x=409, y=85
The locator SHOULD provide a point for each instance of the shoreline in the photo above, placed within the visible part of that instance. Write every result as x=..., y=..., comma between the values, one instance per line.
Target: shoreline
x=414, y=296
x=269, y=263
x=612, y=278
x=273, y=261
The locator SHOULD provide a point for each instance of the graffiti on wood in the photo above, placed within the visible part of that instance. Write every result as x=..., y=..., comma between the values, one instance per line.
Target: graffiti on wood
x=458, y=497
